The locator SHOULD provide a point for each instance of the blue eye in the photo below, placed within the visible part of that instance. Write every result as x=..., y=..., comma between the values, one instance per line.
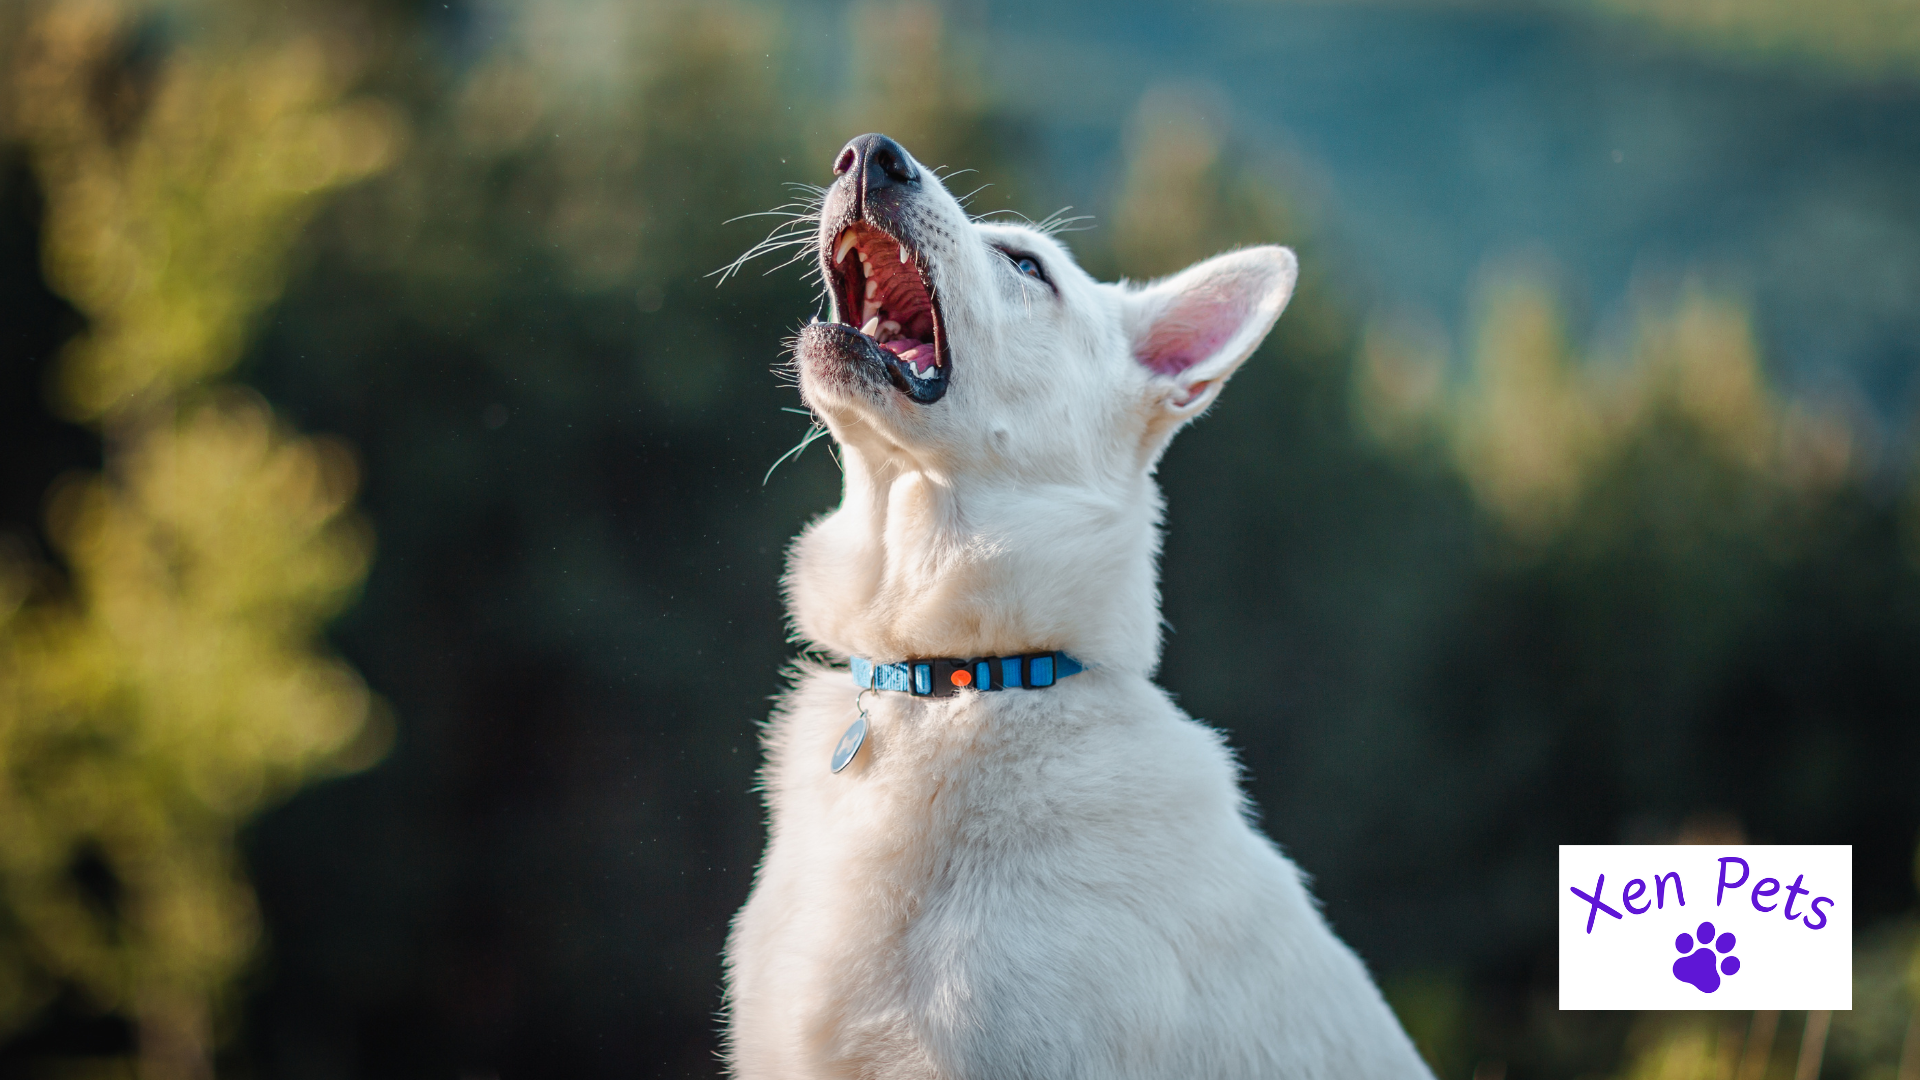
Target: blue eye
x=1028, y=266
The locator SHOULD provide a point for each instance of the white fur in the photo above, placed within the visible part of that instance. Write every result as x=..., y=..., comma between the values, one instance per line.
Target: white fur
x=1028, y=883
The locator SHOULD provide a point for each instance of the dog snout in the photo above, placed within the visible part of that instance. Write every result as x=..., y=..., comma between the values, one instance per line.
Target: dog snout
x=878, y=162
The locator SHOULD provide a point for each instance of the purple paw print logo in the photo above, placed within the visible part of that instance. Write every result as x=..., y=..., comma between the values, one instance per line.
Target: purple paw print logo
x=1703, y=966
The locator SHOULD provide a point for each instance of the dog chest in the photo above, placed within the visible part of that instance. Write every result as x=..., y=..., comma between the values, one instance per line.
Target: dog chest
x=986, y=856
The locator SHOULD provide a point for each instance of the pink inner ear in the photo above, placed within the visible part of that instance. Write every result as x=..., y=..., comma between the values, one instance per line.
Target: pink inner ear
x=1194, y=328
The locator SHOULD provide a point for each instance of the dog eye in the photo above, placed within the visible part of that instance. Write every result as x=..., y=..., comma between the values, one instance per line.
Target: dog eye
x=1027, y=265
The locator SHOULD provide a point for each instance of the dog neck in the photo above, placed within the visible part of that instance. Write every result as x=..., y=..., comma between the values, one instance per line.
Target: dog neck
x=920, y=563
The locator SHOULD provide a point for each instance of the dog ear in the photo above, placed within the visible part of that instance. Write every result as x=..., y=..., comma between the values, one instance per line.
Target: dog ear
x=1192, y=330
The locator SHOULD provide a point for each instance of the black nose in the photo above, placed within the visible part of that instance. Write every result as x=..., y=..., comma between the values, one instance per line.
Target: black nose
x=878, y=161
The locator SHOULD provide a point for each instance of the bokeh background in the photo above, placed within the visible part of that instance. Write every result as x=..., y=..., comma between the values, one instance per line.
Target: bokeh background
x=388, y=548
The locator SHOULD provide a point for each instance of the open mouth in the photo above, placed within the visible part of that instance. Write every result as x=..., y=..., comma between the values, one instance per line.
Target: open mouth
x=880, y=290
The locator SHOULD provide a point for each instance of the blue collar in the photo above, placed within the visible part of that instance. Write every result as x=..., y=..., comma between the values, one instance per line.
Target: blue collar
x=942, y=678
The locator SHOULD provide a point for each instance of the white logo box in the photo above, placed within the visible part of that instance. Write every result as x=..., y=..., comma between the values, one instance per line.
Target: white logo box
x=1628, y=961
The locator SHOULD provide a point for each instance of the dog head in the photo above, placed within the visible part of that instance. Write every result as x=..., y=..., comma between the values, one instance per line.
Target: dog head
x=999, y=414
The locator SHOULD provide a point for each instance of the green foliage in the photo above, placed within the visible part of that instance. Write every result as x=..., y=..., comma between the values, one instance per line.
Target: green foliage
x=1873, y=39
x=1183, y=195
x=170, y=683
x=1436, y=1013
x=176, y=193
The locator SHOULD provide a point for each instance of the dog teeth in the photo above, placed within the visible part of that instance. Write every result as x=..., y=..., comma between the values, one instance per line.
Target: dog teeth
x=903, y=255
x=873, y=287
x=872, y=327
x=890, y=329
x=870, y=310
x=845, y=245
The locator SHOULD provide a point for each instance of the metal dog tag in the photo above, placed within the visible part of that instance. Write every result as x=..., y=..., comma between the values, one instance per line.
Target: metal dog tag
x=850, y=744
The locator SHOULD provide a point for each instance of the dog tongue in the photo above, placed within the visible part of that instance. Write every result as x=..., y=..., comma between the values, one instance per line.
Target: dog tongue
x=902, y=347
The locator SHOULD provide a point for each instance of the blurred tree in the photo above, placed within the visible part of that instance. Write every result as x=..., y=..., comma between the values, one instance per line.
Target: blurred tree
x=1538, y=430
x=1524, y=438
x=603, y=190
x=1869, y=38
x=178, y=179
x=1660, y=523
x=1865, y=39
x=171, y=682
x=1186, y=193
x=1684, y=1046
x=919, y=81
x=565, y=425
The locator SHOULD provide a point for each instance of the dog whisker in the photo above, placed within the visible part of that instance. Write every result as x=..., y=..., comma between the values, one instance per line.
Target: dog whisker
x=814, y=431
x=797, y=256
x=989, y=215
x=765, y=247
x=778, y=211
x=968, y=197
x=801, y=218
x=1059, y=221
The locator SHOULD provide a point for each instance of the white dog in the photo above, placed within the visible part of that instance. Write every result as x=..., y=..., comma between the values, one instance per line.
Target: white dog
x=1013, y=856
